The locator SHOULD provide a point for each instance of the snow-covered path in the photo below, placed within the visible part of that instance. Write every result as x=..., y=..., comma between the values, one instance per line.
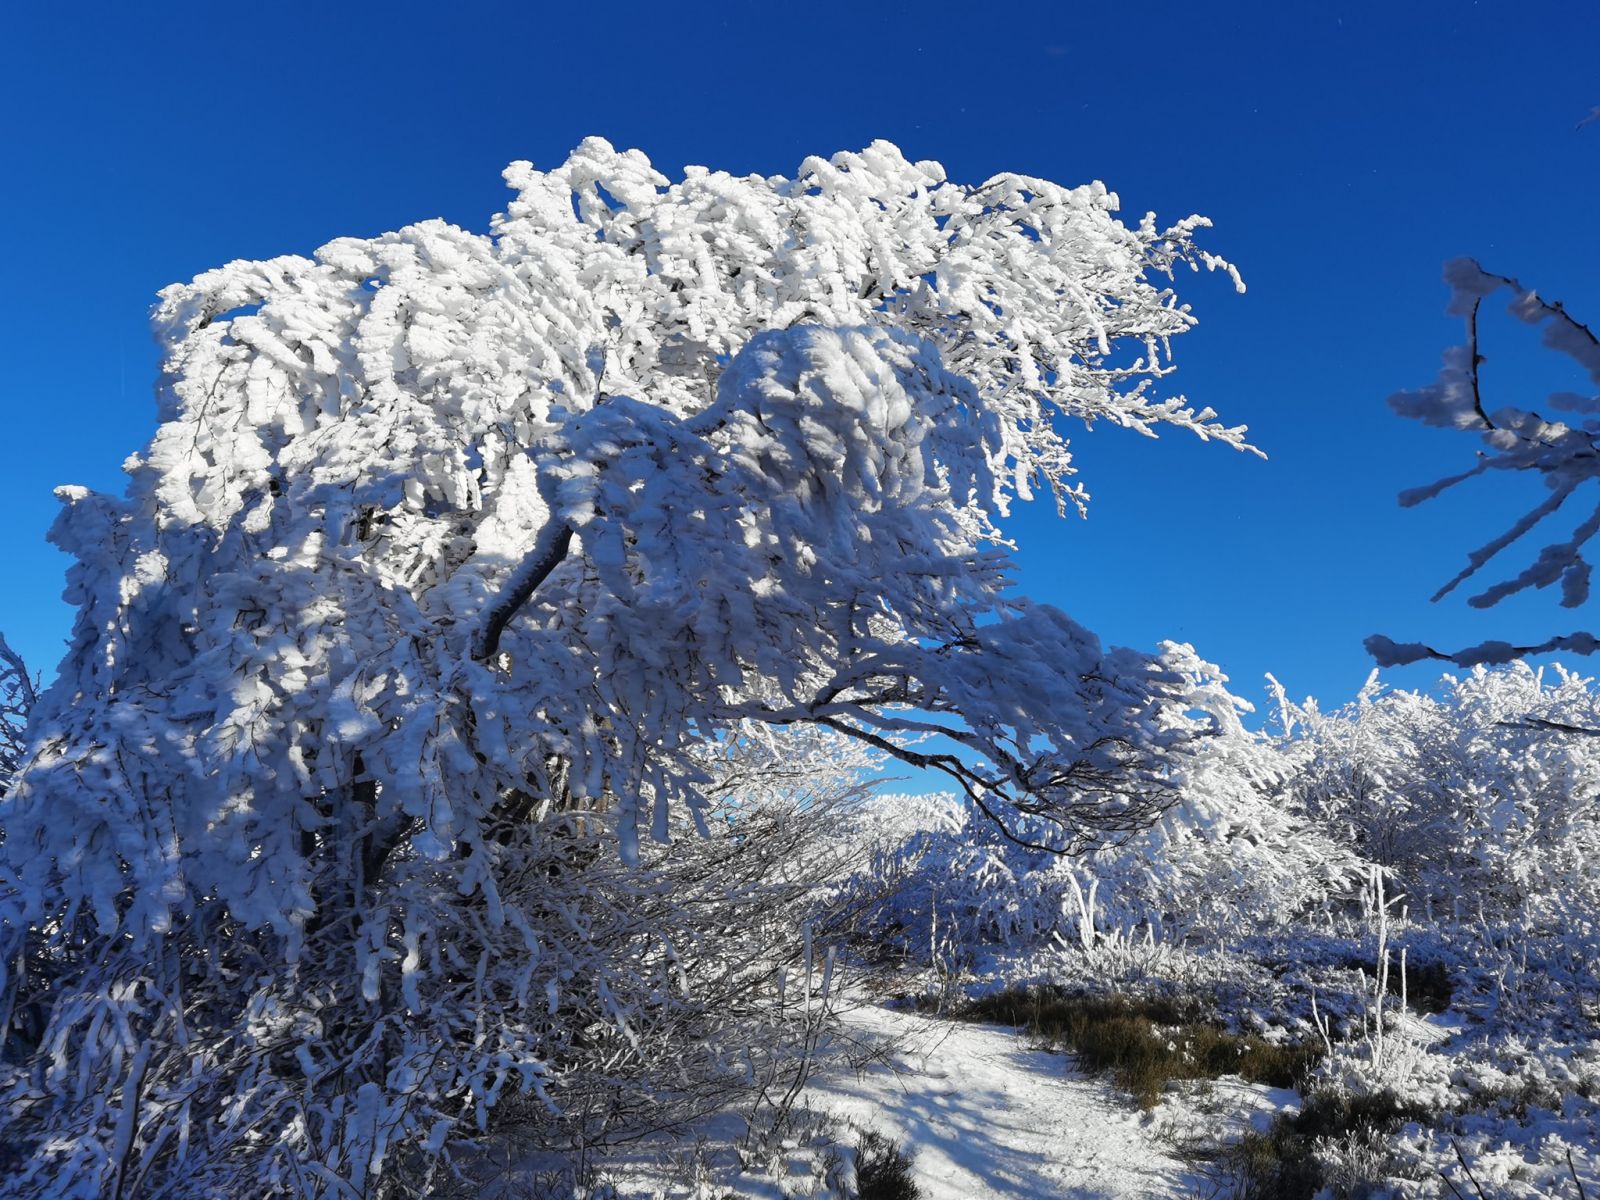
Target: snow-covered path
x=985, y=1116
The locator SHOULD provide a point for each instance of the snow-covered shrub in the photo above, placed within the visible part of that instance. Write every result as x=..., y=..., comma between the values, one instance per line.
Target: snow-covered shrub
x=951, y=877
x=647, y=995
x=1235, y=853
x=1482, y=797
x=1536, y=1155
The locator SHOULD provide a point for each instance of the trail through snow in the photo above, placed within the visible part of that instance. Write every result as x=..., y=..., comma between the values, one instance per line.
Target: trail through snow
x=984, y=1115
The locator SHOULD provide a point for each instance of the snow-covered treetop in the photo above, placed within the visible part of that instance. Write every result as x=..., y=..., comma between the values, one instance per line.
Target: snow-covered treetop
x=605, y=278
x=1562, y=452
x=462, y=519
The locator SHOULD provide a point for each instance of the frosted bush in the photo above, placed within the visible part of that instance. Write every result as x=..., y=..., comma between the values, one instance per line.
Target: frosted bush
x=1482, y=796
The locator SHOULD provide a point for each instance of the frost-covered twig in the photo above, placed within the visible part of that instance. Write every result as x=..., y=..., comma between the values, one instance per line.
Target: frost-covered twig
x=1322, y=1025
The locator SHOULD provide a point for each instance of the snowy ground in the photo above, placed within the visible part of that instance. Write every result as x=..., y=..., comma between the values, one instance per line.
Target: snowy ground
x=983, y=1115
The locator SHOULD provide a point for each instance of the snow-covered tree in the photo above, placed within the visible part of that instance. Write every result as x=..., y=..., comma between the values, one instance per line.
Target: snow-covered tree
x=16, y=702
x=447, y=540
x=1562, y=453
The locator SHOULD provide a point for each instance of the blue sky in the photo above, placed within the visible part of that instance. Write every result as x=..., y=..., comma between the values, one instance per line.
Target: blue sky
x=1344, y=151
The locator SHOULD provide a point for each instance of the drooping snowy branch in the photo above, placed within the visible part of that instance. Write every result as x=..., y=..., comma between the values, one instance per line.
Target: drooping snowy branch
x=1234, y=852
x=1562, y=453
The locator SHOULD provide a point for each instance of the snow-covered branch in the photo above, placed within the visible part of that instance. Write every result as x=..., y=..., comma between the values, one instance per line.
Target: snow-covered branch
x=1565, y=454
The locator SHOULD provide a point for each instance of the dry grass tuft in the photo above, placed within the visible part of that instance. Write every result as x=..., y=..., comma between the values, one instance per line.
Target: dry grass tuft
x=883, y=1170
x=1145, y=1044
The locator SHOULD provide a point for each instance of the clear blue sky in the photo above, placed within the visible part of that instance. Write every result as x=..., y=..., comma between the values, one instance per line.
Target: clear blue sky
x=1344, y=151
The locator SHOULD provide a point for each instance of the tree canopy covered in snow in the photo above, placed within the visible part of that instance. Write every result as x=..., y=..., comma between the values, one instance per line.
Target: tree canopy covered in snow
x=448, y=540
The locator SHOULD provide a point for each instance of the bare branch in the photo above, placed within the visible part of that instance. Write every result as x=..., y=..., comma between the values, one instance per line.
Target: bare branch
x=1476, y=361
